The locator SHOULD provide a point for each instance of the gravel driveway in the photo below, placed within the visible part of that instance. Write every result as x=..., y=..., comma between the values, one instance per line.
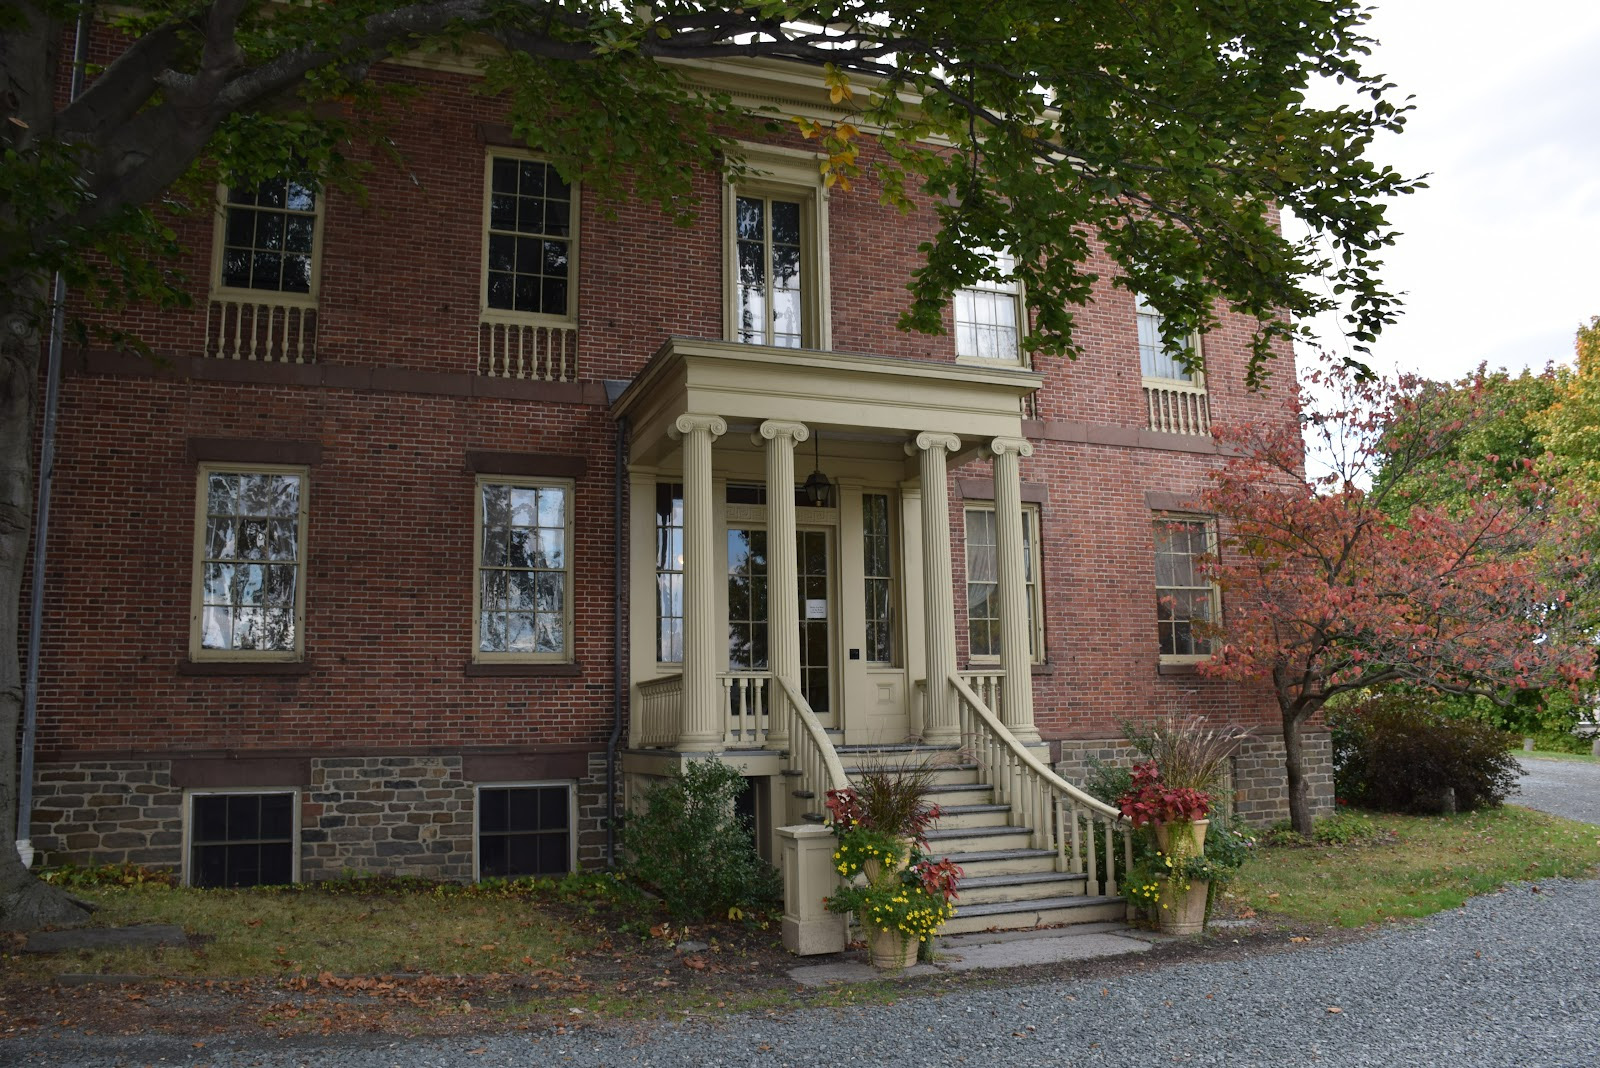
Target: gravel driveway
x=1569, y=788
x=1509, y=980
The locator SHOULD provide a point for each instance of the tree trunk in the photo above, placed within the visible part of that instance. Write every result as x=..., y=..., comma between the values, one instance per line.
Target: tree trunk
x=1293, y=758
x=25, y=902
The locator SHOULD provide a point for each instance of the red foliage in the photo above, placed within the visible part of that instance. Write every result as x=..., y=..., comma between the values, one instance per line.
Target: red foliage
x=1149, y=800
x=939, y=877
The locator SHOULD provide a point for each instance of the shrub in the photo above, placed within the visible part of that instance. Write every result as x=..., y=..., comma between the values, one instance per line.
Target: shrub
x=1398, y=753
x=1191, y=754
x=687, y=845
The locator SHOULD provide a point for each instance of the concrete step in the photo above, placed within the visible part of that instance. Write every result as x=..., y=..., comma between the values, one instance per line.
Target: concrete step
x=1022, y=886
x=896, y=756
x=943, y=775
x=959, y=817
x=959, y=793
x=1017, y=915
x=982, y=862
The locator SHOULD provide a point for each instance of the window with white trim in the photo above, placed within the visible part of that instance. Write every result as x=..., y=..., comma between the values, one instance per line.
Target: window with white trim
x=1157, y=358
x=269, y=242
x=239, y=838
x=776, y=256
x=523, y=593
x=669, y=572
x=525, y=830
x=988, y=315
x=877, y=548
x=1186, y=601
x=983, y=583
x=530, y=241
x=249, y=563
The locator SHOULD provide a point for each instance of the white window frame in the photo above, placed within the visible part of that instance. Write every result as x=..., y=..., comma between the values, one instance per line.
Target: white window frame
x=509, y=315
x=1031, y=516
x=479, y=655
x=571, y=786
x=783, y=174
x=1210, y=525
x=197, y=649
x=1145, y=313
x=189, y=796
x=270, y=297
x=987, y=292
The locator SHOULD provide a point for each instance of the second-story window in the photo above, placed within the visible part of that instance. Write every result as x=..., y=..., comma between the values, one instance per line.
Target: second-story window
x=988, y=315
x=529, y=249
x=769, y=254
x=1158, y=358
x=269, y=239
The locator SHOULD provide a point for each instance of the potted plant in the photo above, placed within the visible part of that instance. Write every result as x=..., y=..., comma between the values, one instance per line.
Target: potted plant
x=899, y=896
x=1174, y=886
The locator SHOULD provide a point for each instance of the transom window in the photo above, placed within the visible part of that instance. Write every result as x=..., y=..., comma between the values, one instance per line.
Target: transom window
x=1157, y=359
x=983, y=583
x=240, y=839
x=269, y=238
x=524, y=830
x=1185, y=599
x=768, y=255
x=249, y=593
x=988, y=315
x=524, y=571
x=529, y=249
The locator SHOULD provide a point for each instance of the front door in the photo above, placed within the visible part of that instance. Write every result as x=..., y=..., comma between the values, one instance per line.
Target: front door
x=748, y=617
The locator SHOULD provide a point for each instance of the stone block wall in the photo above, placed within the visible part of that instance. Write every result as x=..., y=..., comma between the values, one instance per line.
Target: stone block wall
x=407, y=814
x=1259, y=792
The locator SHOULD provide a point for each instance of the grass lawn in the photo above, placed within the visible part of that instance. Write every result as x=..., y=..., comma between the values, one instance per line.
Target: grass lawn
x=1551, y=754
x=1419, y=865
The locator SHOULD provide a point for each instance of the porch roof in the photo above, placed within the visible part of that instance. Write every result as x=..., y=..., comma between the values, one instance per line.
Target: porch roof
x=876, y=396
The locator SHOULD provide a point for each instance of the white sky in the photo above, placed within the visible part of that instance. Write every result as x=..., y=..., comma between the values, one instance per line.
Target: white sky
x=1500, y=257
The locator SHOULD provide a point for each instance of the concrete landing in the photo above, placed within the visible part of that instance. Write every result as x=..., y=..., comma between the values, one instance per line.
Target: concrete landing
x=998, y=949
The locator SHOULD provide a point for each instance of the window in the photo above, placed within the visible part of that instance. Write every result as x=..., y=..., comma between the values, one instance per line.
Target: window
x=776, y=265
x=524, y=830
x=1156, y=358
x=523, y=593
x=242, y=839
x=878, y=572
x=529, y=250
x=983, y=583
x=268, y=241
x=988, y=314
x=1184, y=597
x=249, y=582
x=669, y=573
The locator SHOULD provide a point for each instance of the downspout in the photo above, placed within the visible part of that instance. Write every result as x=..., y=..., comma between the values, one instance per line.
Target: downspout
x=41, y=512
x=617, y=703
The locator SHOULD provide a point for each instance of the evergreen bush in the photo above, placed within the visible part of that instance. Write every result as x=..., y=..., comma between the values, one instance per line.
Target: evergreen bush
x=1399, y=753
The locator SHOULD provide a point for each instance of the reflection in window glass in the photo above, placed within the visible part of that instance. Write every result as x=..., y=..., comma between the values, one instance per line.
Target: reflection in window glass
x=767, y=255
x=267, y=237
x=524, y=569
x=530, y=237
x=524, y=830
x=983, y=582
x=987, y=314
x=251, y=561
x=747, y=600
x=669, y=572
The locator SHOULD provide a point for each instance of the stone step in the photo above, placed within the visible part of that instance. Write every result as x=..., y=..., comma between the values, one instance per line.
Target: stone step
x=1017, y=915
x=981, y=862
x=959, y=793
x=1022, y=886
x=959, y=817
x=969, y=839
x=943, y=775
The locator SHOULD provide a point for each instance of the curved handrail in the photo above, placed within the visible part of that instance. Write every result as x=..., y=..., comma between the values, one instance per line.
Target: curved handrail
x=1033, y=763
x=805, y=717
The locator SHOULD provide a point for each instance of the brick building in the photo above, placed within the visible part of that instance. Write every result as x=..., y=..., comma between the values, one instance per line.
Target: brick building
x=441, y=513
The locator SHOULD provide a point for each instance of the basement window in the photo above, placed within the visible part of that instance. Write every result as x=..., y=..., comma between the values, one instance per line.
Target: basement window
x=242, y=839
x=525, y=830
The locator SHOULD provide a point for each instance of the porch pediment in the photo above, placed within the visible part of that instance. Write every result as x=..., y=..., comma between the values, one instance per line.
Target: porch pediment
x=874, y=395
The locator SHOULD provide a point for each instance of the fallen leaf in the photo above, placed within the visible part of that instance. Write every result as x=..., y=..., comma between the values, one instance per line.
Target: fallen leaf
x=697, y=963
x=1334, y=1009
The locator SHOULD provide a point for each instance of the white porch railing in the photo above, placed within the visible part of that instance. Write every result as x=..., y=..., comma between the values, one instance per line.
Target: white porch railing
x=1064, y=819
x=986, y=684
x=1176, y=408
x=660, y=713
x=811, y=763
x=540, y=353
x=261, y=330
x=745, y=697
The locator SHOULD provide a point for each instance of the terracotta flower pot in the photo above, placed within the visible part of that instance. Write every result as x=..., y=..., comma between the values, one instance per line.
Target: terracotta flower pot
x=890, y=950
x=1198, y=829
x=1182, y=913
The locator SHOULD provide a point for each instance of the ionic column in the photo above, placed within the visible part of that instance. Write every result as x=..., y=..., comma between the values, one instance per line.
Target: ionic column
x=783, y=584
x=703, y=726
x=1016, y=689
x=939, y=603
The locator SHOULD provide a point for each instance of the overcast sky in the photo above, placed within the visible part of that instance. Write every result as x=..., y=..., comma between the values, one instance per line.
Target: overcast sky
x=1500, y=257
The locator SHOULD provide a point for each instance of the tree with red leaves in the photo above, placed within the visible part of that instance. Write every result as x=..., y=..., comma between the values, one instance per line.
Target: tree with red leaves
x=1328, y=587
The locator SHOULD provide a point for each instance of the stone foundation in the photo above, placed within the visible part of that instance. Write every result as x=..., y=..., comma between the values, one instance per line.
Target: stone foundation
x=394, y=815
x=1257, y=782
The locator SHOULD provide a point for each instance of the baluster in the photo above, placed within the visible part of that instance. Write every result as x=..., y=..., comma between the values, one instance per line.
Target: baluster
x=1093, y=885
x=1111, y=861
x=1077, y=841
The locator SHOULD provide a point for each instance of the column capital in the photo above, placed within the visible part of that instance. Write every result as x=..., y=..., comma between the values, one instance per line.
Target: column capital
x=933, y=439
x=778, y=429
x=689, y=422
x=1001, y=446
